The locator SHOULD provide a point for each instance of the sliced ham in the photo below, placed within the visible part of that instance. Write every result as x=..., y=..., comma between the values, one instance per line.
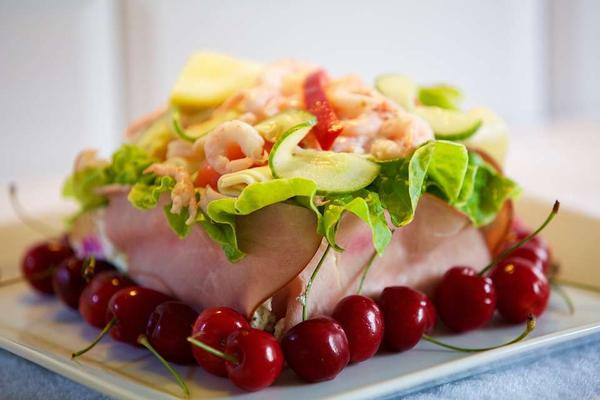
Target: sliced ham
x=282, y=251
x=279, y=240
x=437, y=239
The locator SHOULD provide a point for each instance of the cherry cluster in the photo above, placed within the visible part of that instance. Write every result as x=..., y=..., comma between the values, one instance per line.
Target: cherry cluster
x=222, y=341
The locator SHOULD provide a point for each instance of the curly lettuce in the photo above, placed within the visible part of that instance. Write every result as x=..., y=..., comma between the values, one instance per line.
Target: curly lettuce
x=126, y=168
x=219, y=221
x=367, y=206
x=448, y=171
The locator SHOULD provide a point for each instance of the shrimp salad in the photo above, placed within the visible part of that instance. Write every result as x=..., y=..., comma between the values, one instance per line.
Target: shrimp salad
x=237, y=136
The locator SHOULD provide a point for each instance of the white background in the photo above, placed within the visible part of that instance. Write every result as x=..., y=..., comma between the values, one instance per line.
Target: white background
x=72, y=72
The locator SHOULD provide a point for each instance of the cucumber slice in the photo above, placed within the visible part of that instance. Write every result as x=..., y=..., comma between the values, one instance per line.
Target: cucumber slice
x=444, y=96
x=449, y=124
x=398, y=88
x=332, y=172
x=203, y=128
x=272, y=128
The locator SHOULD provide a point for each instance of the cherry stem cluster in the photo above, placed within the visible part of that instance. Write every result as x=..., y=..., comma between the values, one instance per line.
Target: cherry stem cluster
x=88, y=270
x=33, y=224
x=520, y=243
x=209, y=349
x=529, y=327
x=310, y=282
x=143, y=340
x=365, y=272
x=98, y=338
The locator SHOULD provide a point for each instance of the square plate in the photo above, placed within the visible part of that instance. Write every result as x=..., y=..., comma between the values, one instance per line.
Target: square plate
x=45, y=332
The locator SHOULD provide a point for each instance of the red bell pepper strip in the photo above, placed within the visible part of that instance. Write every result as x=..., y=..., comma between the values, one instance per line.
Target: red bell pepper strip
x=328, y=125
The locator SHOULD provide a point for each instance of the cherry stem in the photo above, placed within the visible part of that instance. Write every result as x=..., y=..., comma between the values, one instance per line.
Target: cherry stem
x=564, y=295
x=520, y=243
x=88, y=269
x=32, y=223
x=365, y=272
x=209, y=349
x=143, y=340
x=304, y=297
x=579, y=285
x=529, y=327
x=102, y=333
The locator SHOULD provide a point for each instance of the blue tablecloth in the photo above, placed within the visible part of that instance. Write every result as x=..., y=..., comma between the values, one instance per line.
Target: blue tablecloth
x=564, y=373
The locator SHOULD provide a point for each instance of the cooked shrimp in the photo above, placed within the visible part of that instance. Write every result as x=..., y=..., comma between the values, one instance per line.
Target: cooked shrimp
x=278, y=88
x=229, y=134
x=183, y=194
x=351, y=98
x=399, y=134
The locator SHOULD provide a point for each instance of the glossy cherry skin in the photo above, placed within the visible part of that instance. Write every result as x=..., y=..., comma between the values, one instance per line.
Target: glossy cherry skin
x=168, y=328
x=68, y=281
x=521, y=290
x=536, y=253
x=259, y=356
x=132, y=307
x=406, y=314
x=464, y=300
x=40, y=261
x=316, y=349
x=94, y=298
x=212, y=327
x=431, y=316
x=362, y=321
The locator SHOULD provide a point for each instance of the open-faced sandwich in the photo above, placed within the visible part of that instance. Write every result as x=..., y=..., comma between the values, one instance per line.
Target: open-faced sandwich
x=272, y=195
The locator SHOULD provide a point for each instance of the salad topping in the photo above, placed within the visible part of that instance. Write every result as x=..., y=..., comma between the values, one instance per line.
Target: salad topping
x=238, y=137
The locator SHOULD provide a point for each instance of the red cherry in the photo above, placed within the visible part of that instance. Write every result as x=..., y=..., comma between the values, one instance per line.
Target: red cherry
x=406, y=314
x=68, y=281
x=521, y=289
x=168, y=328
x=212, y=327
x=465, y=300
x=362, y=321
x=535, y=253
x=93, y=301
x=316, y=349
x=130, y=308
x=259, y=359
x=431, y=316
x=41, y=260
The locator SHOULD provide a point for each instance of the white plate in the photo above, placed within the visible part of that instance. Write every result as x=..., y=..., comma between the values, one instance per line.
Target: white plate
x=45, y=332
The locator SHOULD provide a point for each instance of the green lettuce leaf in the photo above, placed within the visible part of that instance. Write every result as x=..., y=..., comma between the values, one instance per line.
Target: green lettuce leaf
x=127, y=168
x=83, y=185
x=365, y=205
x=128, y=165
x=146, y=195
x=437, y=166
x=223, y=212
x=177, y=222
x=489, y=190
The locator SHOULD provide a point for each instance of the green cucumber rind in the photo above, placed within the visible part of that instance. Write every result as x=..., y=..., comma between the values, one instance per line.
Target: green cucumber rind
x=443, y=134
x=274, y=160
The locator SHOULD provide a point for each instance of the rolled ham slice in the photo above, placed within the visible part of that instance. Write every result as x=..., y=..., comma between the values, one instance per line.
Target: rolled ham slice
x=282, y=249
x=419, y=254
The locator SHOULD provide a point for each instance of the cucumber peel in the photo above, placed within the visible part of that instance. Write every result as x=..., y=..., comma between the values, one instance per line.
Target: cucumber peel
x=332, y=172
x=203, y=128
x=272, y=128
x=449, y=124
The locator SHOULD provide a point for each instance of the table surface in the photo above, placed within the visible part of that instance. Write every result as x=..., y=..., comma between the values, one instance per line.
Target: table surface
x=551, y=161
